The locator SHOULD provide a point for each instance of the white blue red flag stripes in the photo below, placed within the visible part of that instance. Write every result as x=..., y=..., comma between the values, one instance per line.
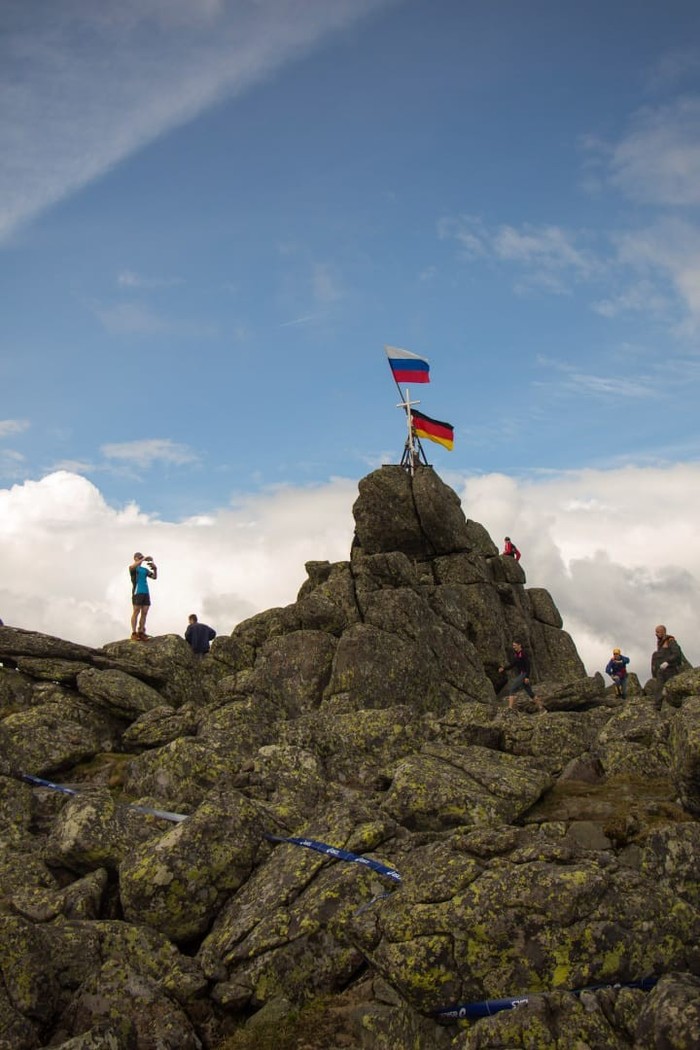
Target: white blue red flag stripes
x=407, y=367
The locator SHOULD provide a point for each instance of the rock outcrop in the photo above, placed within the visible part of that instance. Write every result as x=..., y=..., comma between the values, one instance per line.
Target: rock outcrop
x=160, y=904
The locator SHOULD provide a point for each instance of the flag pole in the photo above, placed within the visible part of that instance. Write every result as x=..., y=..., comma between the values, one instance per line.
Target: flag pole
x=409, y=451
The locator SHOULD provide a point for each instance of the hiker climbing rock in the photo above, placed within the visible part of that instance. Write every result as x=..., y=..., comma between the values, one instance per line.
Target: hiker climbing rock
x=521, y=662
x=141, y=570
x=668, y=659
x=510, y=550
x=617, y=669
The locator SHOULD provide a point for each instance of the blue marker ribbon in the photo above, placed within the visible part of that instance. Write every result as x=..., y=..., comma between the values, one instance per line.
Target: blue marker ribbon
x=488, y=1007
x=164, y=814
x=340, y=854
x=39, y=782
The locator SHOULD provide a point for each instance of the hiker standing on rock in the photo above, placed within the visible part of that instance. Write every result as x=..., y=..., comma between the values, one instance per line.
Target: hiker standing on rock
x=141, y=569
x=521, y=661
x=668, y=660
x=617, y=669
x=199, y=635
x=510, y=550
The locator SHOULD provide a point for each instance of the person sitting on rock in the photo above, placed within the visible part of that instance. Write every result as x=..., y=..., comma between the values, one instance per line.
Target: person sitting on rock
x=199, y=635
x=510, y=550
x=521, y=662
x=668, y=659
x=617, y=669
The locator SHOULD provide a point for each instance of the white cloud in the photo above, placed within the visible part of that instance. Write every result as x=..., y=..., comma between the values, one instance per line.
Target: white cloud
x=299, y=320
x=13, y=426
x=668, y=250
x=132, y=319
x=83, y=85
x=148, y=451
x=639, y=297
x=74, y=466
x=11, y=463
x=548, y=246
x=135, y=318
x=549, y=257
x=676, y=66
x=325, y=284
x=129, y=279
x=566, y=378
x=658, y=160
x=64, y=555
x=617, y=550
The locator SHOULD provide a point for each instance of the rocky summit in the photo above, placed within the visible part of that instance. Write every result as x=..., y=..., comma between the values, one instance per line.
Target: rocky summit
x=331, y=832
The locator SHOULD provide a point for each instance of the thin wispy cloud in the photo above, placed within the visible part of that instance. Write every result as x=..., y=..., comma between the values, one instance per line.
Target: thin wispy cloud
x=13, y=426
x=82, y=86
x=132, y=319
x=569, y=379
x=658, y=159
x=674, y=68
x=129, y=279
x=74, y=466
x=550, y=254
x=668, y=251
x=298, y=320
x=12, y=464
x=325, y=284
x=640, y=297
x=145, y=453
x=136, y=318
x=612, y=386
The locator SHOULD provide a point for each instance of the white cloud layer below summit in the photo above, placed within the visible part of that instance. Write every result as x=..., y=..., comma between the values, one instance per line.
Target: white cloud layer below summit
x=617, y=549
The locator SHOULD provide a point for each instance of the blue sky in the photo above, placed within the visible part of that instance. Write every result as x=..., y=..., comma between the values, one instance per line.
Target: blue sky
x=215, y=213
x=481, y=183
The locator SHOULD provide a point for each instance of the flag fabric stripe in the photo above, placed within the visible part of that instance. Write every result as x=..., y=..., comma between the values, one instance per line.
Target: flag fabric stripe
x=433, y=429
x=406, y=366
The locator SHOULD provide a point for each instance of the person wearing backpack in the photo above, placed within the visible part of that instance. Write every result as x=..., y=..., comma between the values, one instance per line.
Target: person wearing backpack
x=141, y=570
x=668, y=659
x=617, y=669
x=510, y=550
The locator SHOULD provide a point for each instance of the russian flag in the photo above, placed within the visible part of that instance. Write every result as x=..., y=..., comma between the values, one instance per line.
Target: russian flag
x=433, y=429
x=407, y=367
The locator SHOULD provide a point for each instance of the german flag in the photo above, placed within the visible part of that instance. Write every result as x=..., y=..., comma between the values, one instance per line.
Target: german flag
x=433, y=429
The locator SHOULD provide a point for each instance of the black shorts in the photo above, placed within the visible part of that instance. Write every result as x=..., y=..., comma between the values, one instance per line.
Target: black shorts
x=141, y=599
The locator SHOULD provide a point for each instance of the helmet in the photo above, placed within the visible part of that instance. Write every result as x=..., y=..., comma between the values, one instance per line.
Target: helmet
x=616, y=652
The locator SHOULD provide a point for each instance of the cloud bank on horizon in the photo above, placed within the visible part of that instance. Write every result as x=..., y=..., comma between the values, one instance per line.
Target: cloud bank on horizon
x=615, y=562
x=100, y=81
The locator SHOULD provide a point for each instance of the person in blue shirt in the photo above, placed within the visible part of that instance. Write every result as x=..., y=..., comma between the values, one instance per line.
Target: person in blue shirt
x=141, y=570
x=617, y=669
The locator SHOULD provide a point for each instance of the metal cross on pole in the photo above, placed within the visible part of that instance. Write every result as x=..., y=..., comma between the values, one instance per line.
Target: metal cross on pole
x=413, y=450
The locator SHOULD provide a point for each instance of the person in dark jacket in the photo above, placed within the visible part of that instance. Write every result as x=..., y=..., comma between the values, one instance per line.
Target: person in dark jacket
x=521, y=662
x=668, y=659
x=199, y=635
x=617, y=669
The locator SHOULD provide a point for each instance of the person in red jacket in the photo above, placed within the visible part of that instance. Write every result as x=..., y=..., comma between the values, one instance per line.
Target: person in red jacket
x=510, y=550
